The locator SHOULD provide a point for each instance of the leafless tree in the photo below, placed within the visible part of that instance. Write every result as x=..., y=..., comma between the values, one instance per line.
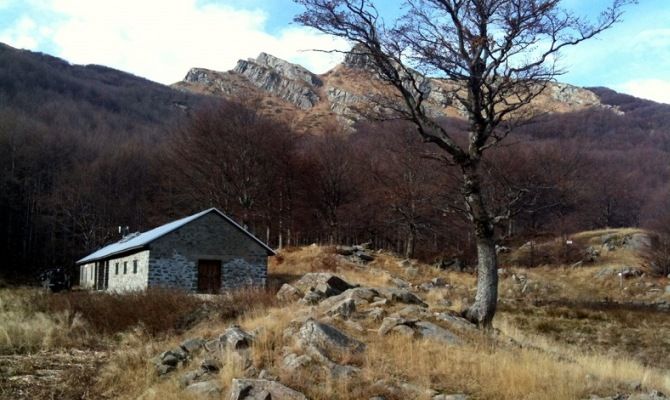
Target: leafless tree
x=498, y=55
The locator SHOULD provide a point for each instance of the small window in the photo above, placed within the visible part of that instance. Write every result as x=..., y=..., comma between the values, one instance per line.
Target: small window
x=116, y=268
x=125, y=267
x=134, y=266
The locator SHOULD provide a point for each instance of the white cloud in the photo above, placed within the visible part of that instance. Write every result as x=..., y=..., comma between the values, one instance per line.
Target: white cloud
x=652, y=89
x=161, y=39
x=22, y=34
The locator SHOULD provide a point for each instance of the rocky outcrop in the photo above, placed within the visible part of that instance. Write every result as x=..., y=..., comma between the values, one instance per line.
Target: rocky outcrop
x=282, y=79
x=351, y=91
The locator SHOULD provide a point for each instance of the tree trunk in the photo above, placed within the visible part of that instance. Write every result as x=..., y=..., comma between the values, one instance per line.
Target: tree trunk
x=411, y=240
x=486, y=299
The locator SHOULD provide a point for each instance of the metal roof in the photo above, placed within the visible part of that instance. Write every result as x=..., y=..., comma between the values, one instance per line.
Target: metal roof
x=137, y=242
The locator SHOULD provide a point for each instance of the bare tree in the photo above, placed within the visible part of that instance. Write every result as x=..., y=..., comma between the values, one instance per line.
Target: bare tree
x=498, y=55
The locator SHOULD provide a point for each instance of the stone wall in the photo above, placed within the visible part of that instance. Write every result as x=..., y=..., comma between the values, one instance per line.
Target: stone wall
x=127, y=279
x=174, y=257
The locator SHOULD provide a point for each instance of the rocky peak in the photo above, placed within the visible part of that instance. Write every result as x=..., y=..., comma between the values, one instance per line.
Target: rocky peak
x=199, y=75
x=289, y=70
x=285, y=80
x=359, y=58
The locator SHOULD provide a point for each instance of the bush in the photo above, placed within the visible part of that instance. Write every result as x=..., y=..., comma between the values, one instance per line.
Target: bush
x=657, y=259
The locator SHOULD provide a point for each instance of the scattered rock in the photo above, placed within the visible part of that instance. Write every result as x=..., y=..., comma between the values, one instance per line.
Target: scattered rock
x=293, y=361
x=454, y=264
x=310, y=281
x=401, y=283
x=391, y=322
x=206, y=388
x=235, y=338
x=431, y=331
x=345, y=308
x=327, y=339
x=439, y=281
x=211, y=365
x=401, y=296
x=261, y=389
x=193, y=345
x=502, y=249
x=288, y=294
x=377, y=314
x=456, y=321
x=403, y=330
x=189, y=377
x=450, y=397
x=313, y=297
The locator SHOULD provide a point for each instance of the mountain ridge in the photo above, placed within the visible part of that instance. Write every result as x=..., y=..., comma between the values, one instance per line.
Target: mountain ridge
x=343, y=93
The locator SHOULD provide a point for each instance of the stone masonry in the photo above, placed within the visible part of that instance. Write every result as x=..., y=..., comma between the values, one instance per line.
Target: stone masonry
x=174, y=257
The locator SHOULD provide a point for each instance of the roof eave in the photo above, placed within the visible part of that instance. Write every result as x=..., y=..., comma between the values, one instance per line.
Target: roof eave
x=111, y=255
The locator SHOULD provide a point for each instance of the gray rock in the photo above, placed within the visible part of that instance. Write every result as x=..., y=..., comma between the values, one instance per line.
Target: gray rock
x=637, y=242
x=391, y=322
x=346, y=308
x=327, y=339
x=412, y=311
x=344, y=250
x=403, y=330
x=456, y=321
x=439, y=281
x=206, y=388
x=193, y=345
x=264, y=374
x=260, y=389
x=401, y=283
x=313, y=297
x=293, y=361
x=189, y=377
x=377, y=314
x=288, y=294
x=164, y=369
x=428, y=330
x=282, y=79
x=401, y=296
x=450, y=397
x=211, y=365
x=235, y=338
x=313, y=279
x=365, y=257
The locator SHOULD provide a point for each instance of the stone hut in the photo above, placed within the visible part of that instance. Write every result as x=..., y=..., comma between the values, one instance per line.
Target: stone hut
x=205, y=253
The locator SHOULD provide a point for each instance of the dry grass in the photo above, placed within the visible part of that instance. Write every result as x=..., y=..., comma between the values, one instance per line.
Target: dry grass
x=25, y=328
x=541, y=352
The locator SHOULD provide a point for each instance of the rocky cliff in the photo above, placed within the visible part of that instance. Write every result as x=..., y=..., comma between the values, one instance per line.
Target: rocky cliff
x=347, y=91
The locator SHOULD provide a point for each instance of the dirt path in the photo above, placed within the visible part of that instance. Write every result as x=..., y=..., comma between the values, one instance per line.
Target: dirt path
x=49, y=375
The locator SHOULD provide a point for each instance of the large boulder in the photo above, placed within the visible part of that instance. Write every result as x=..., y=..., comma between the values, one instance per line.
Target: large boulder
x=327, y=339
x=261, y=389
x=430, y=331
x=329, y=284
x=288, y=294
x=206, y=388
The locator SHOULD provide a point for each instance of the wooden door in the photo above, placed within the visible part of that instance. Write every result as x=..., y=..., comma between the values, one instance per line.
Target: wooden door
x=209, y=276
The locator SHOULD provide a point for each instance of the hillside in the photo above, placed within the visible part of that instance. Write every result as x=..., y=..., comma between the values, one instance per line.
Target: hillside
x=85, y=149
x=347, y=326
x=89, y=98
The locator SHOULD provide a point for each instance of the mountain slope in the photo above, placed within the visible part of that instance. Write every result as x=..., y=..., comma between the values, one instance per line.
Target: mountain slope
x=344, y=92
x=90, y=97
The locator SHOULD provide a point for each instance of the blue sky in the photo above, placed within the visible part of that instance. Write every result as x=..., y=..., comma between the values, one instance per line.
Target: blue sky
x=162, y=39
